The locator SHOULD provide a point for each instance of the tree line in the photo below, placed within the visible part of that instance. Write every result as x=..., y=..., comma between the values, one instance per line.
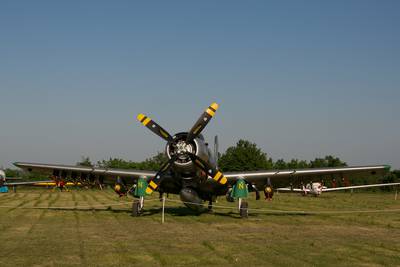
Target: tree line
x=244, y=156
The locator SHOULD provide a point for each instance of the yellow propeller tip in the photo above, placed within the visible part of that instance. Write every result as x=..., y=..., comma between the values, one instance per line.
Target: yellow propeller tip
x=140, y=117
x=214, y=106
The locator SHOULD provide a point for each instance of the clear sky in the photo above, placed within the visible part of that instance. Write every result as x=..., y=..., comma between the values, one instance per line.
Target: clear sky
x=302, y=79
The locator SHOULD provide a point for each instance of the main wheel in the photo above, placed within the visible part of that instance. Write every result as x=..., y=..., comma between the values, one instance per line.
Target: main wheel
x=136, y=208
x=244, y=213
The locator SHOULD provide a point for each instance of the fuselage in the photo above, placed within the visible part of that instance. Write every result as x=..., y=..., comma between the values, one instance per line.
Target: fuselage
x=314, y=188
x=192, y=184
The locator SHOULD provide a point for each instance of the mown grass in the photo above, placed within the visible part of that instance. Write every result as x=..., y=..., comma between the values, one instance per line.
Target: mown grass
x=77, y=230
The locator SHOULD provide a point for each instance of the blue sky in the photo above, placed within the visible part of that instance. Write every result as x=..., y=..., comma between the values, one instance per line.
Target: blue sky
x=302, y=79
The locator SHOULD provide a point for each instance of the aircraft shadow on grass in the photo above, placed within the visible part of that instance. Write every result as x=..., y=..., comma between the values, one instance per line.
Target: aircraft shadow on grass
x=179, y=211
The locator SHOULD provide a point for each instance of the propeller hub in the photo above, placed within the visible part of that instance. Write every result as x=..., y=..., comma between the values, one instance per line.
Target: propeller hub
x=181, y=148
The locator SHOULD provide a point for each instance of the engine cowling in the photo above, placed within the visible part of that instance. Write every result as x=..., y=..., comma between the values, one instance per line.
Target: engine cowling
x=181, y=148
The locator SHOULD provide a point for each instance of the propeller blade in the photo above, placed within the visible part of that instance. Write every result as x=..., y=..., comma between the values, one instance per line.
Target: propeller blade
x=202, y=122
x=154, y=127
x=207, y=168
x=155, y=182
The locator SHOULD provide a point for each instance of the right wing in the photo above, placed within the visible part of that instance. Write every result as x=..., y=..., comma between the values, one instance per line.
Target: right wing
x=107, y=175
x=282, y=178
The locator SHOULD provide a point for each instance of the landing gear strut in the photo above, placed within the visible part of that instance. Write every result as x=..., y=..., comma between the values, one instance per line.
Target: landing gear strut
x=210, y=205
x=243, y=209
x=137, y=207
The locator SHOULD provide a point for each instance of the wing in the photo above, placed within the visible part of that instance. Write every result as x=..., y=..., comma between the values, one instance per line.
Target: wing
x=28, y=183
x=358, y=186
x=107, y=176
x=284, y=177
x=285, y=189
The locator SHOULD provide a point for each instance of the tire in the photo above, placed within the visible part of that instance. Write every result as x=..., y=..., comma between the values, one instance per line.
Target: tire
x=136, y=208
x=244, y=213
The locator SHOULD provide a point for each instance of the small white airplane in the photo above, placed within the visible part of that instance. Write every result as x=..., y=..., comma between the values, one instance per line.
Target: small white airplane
x=316, y=189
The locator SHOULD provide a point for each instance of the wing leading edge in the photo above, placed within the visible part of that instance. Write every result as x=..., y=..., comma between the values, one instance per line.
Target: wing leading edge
x=261, y=177
x=109, y=173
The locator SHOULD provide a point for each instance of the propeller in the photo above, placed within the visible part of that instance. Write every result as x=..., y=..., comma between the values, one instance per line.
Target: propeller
x=207, y=168
x=154, y=127
x=197, y=128
x=202, y=122
x=155, y=182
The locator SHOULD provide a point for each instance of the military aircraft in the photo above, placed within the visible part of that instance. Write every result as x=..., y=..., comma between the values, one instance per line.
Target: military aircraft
x=316, y=189
x=191, y=170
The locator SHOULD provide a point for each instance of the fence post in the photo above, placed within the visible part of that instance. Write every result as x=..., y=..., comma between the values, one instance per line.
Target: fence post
x=163, y=209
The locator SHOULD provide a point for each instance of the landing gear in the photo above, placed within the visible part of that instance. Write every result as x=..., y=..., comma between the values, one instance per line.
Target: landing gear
x=210, y=205
x=243, y=209
x=137, y=207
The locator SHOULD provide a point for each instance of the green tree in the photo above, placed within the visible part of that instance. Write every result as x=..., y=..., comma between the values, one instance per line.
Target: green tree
x=245, y=156
x=85, y=161
x=280, y=164
x=297, y=164
x=117, y=163
x=328, y=161
x=154, y=163
x=12, y=173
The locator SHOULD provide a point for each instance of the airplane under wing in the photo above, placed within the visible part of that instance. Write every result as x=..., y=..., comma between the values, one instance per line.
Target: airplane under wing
x=260, y=178
x=332, y=189
x=109, y=174
x=287, y=189
x=357, y=187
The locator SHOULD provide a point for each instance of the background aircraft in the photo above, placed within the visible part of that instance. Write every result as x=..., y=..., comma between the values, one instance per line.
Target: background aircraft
x=191, y=171
x=316, y=189
x=4, y=182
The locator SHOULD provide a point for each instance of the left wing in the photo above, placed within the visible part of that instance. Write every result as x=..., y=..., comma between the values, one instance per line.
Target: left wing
x=28, y=183
x=357, y=186
x=282, y=177
x=108, y=175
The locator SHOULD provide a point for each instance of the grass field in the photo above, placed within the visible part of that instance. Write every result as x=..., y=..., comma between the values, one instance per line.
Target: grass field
x=90, y=227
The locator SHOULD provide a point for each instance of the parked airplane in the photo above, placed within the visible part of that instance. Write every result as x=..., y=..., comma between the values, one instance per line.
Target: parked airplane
x=316, y=189
x=191, y=170
x=5, y=182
